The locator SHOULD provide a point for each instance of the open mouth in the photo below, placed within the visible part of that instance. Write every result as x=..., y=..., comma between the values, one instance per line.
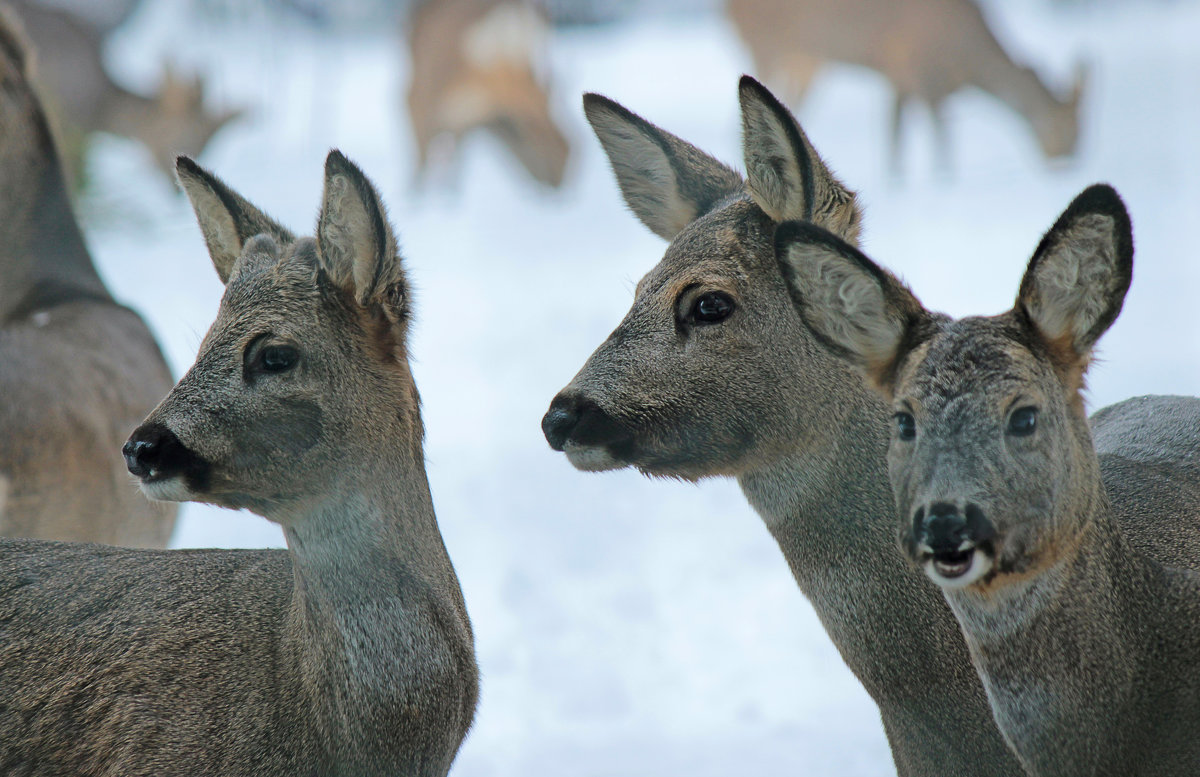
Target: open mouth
x=957, y=567
x=953, y=564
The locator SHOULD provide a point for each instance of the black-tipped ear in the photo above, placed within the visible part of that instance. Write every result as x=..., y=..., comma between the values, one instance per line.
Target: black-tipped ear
x=1076, y=281
x=667, y=182
x=784, y=173
x=355, y=243
x=856, y=308
x=226, y=219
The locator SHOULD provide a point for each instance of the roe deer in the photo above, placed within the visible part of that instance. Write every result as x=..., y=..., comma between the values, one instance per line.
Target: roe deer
x=77, y=370
x=926, y=49
x=713, y=374
x=1087, y=646
x=350, y=652
x=472, y=69
x=83, y=99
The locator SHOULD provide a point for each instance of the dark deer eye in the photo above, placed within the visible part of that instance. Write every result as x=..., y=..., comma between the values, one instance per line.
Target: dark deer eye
x=906, y=426
x=278, y=358
x=1022, y=422
x=712, y=307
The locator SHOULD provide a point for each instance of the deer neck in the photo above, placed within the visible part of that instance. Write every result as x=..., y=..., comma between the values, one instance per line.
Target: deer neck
x=829, y=493
x=1019, y=88
x=1062, y=652
x=372, y=537
x=128, y=114
x=43, y=258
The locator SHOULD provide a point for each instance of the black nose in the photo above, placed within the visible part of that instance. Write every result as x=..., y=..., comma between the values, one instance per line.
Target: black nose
x=153, y=452
x=580, y=420
x=558, y=421
x=945, y=528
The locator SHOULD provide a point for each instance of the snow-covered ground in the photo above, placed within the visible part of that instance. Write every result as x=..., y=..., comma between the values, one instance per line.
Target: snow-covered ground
x=628, y=626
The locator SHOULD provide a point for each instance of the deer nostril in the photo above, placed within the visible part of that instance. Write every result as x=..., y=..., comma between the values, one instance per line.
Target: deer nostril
x=139, y=456
x=558, y=422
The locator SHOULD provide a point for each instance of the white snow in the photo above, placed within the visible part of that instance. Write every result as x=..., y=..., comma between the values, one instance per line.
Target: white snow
x=627, y=626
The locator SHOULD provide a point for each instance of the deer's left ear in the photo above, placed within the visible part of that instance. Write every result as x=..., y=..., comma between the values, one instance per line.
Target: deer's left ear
x=355, y=242
x=856, y=308
x=1076, y=281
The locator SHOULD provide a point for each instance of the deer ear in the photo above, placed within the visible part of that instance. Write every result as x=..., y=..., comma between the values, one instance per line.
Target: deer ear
x=226, y=219
x=355, y=243
x=856, y=308
x=667, y=182
x=786, y=177
x=1076, y=281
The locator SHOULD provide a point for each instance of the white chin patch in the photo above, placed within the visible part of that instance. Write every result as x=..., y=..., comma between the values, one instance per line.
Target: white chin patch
x=590, y=459
x=169, y=490
x=957, y=576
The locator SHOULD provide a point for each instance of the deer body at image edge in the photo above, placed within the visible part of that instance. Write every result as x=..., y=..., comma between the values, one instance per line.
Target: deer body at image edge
x=77, y=369
x=1086, y=644
x=349, y=653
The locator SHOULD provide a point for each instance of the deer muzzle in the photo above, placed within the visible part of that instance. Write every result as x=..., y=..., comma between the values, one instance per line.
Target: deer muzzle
x=160, y=460
x=953, y=545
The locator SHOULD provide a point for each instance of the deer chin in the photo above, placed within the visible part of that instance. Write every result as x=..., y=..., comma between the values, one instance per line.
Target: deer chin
x=171, y=489
x=591, y=458
x=959, y=568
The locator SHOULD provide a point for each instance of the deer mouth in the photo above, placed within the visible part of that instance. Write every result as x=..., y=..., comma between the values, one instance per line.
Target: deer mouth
x=956, y=567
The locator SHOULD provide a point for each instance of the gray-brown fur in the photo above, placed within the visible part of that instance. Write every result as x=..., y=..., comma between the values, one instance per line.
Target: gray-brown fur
x=77, y=370
x=350, y=652
x=926, y=49
x=473, y=68
x=758, y=397
x=82, y=99
x=1084, y=630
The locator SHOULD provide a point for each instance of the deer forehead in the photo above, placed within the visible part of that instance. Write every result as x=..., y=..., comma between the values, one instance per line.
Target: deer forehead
x=983, y=359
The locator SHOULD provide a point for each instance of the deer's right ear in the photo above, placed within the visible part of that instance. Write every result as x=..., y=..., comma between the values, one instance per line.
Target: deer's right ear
x=666, y=181
x=785, y=175
x=355, y=243
x=856, y=308
x=226, y=219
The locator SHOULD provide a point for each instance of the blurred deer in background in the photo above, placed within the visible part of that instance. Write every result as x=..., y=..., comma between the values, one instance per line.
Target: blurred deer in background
x=473, y=68
x=83, y=99
x=349, y=653
x=77, y=370
x=1087, y=645
x=926, y=49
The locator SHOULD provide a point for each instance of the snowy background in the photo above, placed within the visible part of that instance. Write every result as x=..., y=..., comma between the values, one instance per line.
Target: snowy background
x=627, y=626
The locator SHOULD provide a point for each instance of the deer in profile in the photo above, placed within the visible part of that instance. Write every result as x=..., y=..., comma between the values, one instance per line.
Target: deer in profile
x=926, y=49
x=77, y=369
x=473, y=69
x=1087, y=646
x=348, y=653
x=712, y=374
x=83, y=99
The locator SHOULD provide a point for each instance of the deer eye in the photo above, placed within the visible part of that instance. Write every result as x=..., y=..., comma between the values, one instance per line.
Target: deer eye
x=906, y=426
x=1022, y=422
x=711, y=308
x=278, y=358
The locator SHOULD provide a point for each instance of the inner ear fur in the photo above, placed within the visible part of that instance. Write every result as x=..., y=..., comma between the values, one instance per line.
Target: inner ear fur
x=784, y=173
x=227, y=220
x=667, y=182
x=1075, y=284
x=857, y=309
